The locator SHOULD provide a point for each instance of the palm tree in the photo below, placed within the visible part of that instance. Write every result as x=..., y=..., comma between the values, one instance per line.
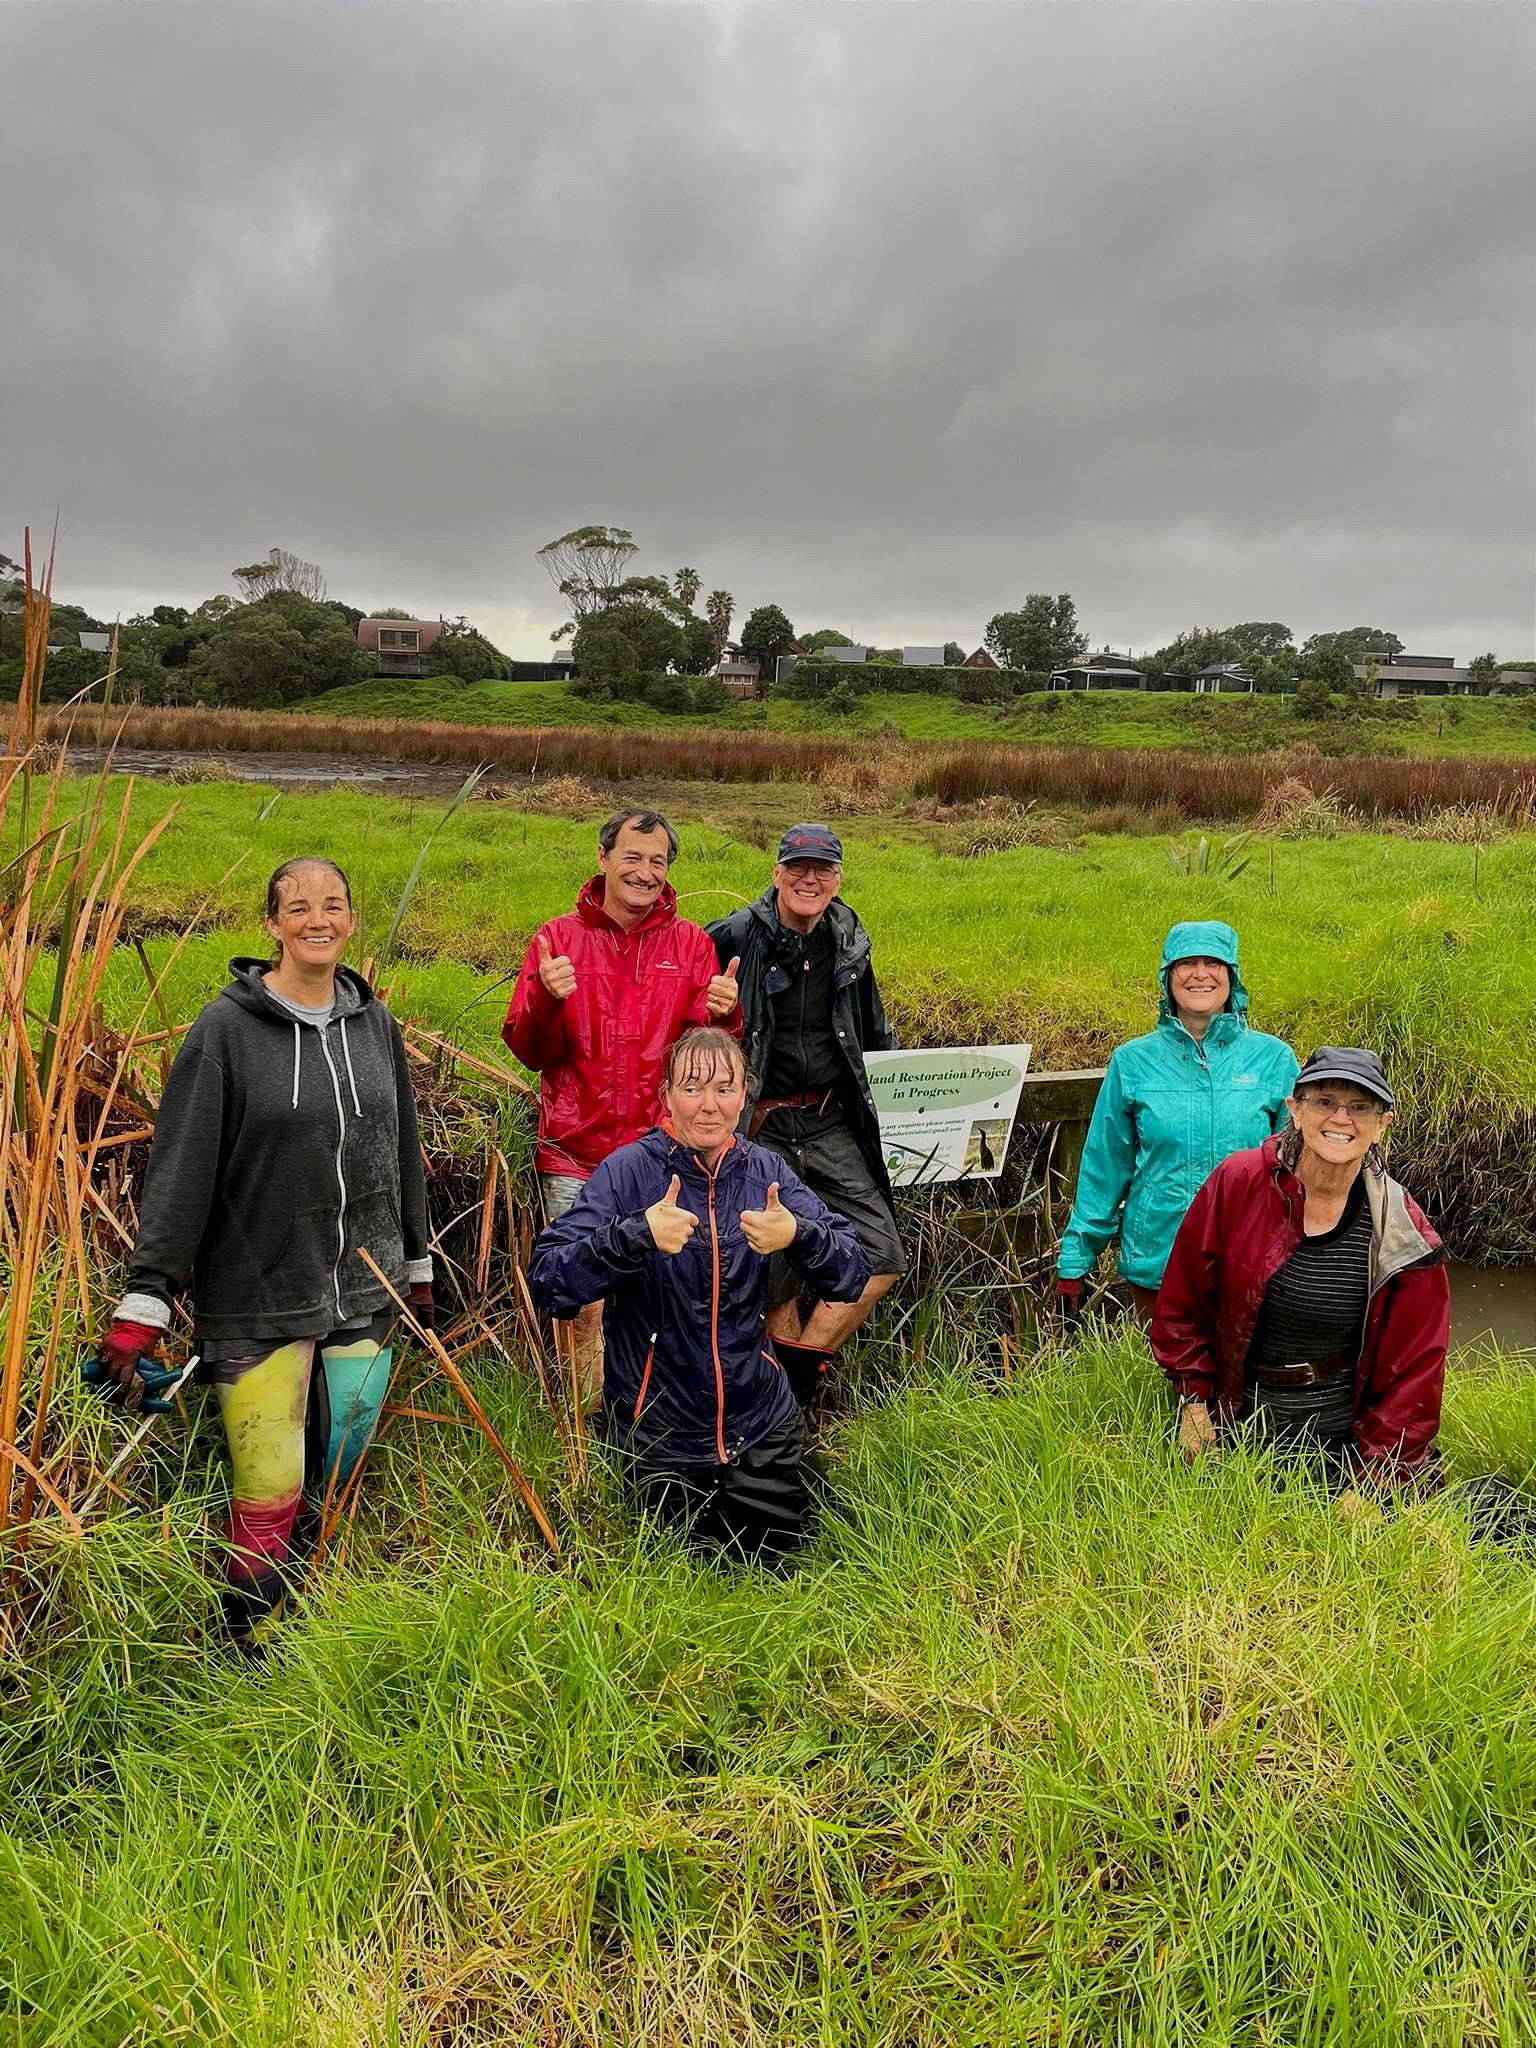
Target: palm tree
x=687, y=583
x=718, y=607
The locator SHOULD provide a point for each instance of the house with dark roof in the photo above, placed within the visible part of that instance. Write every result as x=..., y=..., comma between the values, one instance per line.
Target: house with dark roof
x=1223, y=678
x=980, y=659
x=1414, y=675
x=557, y=667
x=1102, y=671
x=742, y=673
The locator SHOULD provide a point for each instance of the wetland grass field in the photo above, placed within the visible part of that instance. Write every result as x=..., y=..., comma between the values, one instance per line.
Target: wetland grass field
x=1419, y=947
x=1050, y=1741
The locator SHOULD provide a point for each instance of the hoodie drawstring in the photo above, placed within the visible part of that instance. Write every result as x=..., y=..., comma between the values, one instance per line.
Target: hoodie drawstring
x=346, y=1053
x=296, y=1045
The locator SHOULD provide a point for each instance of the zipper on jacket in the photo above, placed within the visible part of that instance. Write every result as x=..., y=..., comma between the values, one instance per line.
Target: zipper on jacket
x=645, y=1377
x=714, y=1320
x=341, y=1179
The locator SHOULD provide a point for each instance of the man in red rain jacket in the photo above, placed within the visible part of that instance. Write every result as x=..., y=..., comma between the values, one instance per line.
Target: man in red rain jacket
x=603, y=992
x=1248, y=1224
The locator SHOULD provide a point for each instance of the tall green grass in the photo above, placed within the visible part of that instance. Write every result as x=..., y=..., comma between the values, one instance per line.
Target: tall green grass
x=1050, y=1741
x=1435, y=729
x=1423, y=949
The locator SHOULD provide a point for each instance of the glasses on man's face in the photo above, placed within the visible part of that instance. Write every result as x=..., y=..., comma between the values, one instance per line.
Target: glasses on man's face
x=1357, y=1111
x=823, y=870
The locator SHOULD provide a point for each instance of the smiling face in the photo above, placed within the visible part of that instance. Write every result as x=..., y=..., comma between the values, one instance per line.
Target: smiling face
x=704, y=1097
x=634, y=872
x=803, y=889
x=1338, y=1122
x=314, y=917
x=1199, y=986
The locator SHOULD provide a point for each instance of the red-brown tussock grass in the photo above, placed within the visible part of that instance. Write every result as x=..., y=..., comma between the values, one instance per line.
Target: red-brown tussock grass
x=1218, y=786
x=1202, y=786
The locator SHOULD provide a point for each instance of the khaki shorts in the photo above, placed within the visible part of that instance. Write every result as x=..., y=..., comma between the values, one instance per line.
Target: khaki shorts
x=825, y=1154
x=559, y=1192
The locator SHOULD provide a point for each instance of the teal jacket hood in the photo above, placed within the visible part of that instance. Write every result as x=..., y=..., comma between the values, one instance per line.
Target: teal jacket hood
x=1201, y=938
x=1169, y=1111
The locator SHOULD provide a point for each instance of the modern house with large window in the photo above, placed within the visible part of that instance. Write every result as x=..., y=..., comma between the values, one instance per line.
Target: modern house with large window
x=1102, y=671
x=1223, y=677
x=398, y=643
x=1414, y=675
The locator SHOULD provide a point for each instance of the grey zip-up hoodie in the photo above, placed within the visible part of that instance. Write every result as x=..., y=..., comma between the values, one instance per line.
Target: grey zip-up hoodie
x=281, y=1148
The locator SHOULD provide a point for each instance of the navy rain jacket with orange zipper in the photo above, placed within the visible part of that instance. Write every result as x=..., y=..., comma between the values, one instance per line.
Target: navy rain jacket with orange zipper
x=689, y=1373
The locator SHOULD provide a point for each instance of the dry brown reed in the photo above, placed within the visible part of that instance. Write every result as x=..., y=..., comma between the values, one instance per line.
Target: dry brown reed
x=1292, y=809
x=560, y=796
x=76, y=1116
x=68, y=1088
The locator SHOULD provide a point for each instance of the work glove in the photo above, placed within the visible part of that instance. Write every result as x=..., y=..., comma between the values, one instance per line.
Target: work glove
x=123, y=1368
x=1069, y=1303
x=1197, y=1433
x=418, y=1299
x=119, y=1352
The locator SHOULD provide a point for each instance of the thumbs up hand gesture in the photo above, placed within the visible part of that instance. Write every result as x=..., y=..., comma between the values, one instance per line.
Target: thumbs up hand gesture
x=670, y=1226
x=555, y=971
x=722, y=995
x=771, y=1228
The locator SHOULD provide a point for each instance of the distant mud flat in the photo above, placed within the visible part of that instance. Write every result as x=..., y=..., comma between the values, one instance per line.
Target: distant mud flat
x=310, y=771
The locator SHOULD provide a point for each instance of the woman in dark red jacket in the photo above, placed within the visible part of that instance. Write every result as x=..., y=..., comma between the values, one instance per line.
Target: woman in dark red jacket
x=1307, y=1294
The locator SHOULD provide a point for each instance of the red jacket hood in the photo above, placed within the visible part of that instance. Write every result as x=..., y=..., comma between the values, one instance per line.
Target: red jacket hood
x=600, y=1053
x=589, y=908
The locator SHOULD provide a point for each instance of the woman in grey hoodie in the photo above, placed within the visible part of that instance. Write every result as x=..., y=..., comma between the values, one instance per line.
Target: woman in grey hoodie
x=285, y=1144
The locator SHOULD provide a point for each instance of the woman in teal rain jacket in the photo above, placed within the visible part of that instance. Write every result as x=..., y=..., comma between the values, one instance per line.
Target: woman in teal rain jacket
x=1174, y=1104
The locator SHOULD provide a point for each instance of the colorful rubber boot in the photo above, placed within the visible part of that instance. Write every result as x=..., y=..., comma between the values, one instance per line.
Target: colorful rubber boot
x=344, y=1412
x=262, y=1403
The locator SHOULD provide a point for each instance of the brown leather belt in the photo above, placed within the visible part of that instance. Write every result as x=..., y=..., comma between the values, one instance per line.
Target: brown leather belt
x=1304, y=1375
x=821, y=1101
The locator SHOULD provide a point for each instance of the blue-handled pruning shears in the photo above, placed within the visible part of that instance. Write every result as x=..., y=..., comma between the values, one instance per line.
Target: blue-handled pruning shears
x=162, y=1383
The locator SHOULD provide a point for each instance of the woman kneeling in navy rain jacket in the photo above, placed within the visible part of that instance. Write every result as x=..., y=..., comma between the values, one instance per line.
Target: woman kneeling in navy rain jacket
x=673, y=1234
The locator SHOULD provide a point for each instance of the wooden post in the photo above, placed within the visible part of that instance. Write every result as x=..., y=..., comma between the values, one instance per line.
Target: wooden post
x=1065, y=1100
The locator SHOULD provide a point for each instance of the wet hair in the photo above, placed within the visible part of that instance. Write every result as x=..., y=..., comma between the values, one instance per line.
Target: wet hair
x=285, y=873
x=697, y=1054
x=290, y=868
x=643, y=821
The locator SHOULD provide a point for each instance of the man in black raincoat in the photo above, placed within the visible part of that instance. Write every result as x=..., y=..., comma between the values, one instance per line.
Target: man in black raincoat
x=811, y=1010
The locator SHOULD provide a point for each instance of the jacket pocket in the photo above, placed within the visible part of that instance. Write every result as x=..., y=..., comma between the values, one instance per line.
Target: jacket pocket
x=273, y=1261
x=373, y=1221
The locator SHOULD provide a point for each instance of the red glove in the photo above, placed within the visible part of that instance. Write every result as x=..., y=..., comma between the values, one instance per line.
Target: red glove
x=1069, y=1302
x=122, y=1348
x=418, y=1299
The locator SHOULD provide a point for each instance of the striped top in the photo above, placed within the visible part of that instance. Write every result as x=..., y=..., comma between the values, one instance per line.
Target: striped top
x=1315, y=1304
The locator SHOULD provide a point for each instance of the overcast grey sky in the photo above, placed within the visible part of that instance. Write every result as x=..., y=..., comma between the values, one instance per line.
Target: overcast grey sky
x=889, y=314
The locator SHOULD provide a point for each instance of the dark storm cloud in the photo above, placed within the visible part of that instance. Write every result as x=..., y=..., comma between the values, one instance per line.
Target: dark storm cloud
x=886, y=313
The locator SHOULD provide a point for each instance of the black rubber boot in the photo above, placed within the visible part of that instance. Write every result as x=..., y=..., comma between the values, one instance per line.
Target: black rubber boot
x=805, y=1367
x=246, y=1606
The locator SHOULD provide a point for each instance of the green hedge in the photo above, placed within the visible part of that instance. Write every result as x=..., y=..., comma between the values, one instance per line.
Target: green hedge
x=814, y=679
